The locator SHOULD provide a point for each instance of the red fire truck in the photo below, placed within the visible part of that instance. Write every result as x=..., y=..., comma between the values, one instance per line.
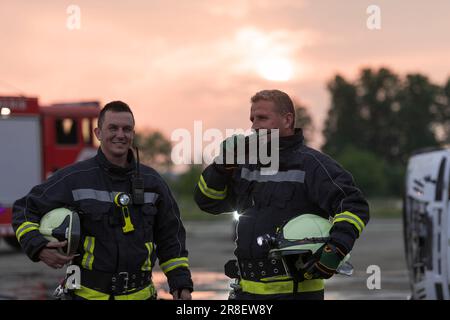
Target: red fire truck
x=35, y=141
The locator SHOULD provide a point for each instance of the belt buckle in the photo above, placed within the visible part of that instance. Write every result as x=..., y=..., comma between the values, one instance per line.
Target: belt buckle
x=125, y=279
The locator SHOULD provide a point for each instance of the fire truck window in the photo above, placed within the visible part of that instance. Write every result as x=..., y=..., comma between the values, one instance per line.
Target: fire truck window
x=66, y=131
x=86, y=131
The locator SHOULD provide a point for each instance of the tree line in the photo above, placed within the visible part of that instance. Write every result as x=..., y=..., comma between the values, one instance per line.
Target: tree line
x=376, y=122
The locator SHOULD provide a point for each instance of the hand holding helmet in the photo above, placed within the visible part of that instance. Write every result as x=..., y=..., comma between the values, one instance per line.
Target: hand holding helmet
x=324, y=264
x=61, y=227
x=305, y=245
x=51, y=257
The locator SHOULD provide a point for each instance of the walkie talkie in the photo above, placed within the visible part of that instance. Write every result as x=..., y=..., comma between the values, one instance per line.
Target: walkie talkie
x=137, y=184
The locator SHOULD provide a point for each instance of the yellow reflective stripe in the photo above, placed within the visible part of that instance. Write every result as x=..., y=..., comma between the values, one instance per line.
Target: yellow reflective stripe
x=143, y=294
x=171, y=264
x=25, y=228
x=209, y=192
x=281, y=286
x=88, y=257
x=351, y=218
x=275, y=278
x=218, y=192
x=91, y=294
x=148, y=262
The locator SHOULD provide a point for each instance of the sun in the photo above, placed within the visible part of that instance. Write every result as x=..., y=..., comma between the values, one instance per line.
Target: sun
x=275, y=69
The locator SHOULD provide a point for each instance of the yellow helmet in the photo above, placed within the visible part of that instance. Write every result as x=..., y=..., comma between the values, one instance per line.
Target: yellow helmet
x=62, y=224
x=299, y=239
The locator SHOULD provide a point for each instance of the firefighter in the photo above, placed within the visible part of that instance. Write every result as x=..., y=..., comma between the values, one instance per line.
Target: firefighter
x=307, y=181
x=128, y=219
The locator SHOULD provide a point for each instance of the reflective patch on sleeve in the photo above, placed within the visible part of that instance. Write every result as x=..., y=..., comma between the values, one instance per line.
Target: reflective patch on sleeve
x=24, y=228
x=350, y=218
x=209, y=192
x=171, y=264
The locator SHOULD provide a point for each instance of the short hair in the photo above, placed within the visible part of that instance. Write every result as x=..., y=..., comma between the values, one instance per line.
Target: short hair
x=282, y=101
x=114, y=106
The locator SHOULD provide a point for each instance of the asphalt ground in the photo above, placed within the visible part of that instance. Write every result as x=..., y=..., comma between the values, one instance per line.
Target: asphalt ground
x=379, y=252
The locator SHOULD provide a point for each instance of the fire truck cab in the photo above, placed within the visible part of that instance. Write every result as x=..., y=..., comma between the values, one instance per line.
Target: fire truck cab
x=35, y=141
x=427, y=224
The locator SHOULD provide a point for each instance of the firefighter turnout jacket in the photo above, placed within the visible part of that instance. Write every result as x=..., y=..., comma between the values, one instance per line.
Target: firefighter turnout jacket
x=307, y=181
x=109, y=257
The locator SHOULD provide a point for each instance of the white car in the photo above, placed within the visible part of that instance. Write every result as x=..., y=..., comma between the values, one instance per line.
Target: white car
x=427, y=224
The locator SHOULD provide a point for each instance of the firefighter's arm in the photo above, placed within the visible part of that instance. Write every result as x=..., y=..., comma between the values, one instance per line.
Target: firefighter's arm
x=28, y=211
x=333, y=189
x=170, y=240
x=213, y=193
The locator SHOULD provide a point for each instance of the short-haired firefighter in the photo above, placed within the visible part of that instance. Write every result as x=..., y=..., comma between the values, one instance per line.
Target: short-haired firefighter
x=307, y=183
x=127, y=219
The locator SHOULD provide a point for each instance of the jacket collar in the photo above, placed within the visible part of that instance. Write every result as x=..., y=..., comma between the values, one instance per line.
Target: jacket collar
x=114, y=169
x=293, y=140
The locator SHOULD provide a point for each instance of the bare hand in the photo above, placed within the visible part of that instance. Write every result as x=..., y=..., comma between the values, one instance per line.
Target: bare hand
x=185, y=295
x=51, y=257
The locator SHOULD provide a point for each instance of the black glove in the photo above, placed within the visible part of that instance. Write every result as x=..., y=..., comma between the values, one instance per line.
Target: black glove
x=324, y=263
x=231, y=149
x=228, y=159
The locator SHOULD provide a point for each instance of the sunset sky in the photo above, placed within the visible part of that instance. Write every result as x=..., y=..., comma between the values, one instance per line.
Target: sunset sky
x=175, y=62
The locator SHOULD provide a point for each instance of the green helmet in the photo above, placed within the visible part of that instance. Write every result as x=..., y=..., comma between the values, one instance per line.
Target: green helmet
x=59, y=225
x=299, y=239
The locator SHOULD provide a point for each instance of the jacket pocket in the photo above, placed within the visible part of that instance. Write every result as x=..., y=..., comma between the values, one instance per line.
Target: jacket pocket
x=242, y=190
x=281, y=194
x=149, y=212
x=94, y=218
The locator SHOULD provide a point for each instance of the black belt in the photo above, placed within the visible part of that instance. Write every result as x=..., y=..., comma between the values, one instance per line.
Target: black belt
x=255, y=269
x=115, y=283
